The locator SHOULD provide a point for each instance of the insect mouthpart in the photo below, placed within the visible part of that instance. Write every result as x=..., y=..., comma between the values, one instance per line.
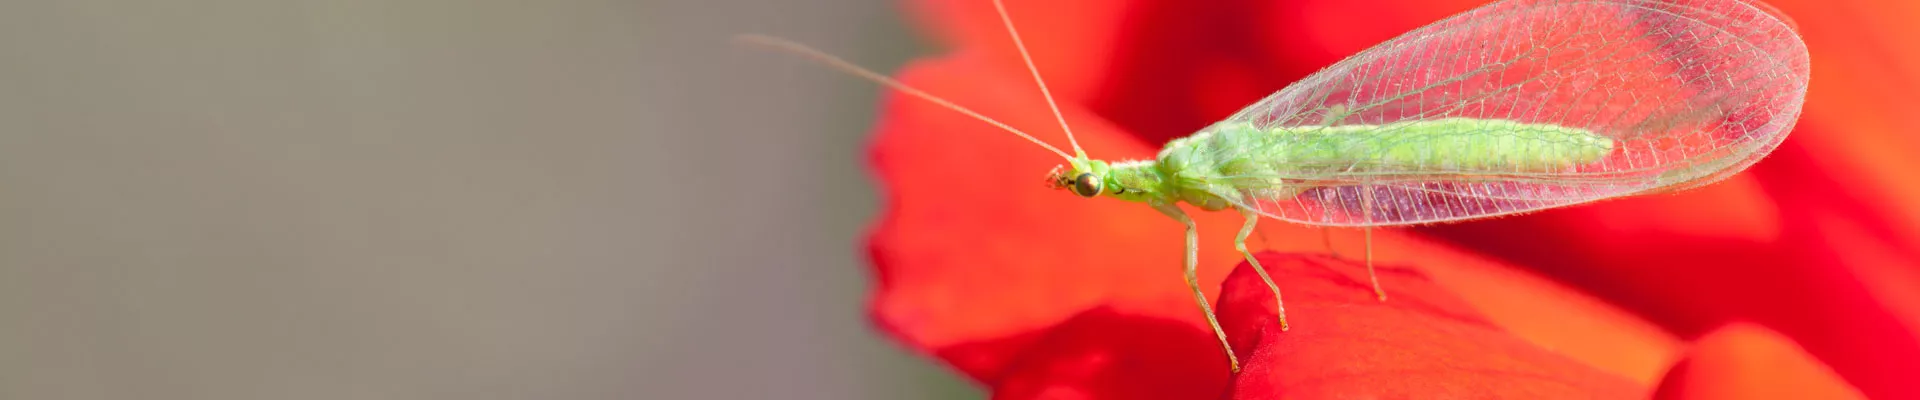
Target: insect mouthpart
x=1057, y=178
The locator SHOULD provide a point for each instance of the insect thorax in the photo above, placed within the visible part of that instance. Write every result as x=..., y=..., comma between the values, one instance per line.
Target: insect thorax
x=1193, y=171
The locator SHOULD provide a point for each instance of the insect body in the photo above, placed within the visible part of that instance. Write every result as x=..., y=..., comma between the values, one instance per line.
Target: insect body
x=1516, y=106
x=1234, y=163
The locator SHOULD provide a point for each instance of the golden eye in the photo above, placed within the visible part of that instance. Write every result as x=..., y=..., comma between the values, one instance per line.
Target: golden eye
x=1086, y=185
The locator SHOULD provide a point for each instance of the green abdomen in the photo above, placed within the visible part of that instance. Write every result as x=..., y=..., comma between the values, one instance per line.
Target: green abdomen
x=1443, y=145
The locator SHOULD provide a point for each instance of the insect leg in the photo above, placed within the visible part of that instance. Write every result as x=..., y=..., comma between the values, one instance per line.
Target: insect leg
x=1264, y=243
x=1241, y=244
x=1192, y=263
x=1366, y=212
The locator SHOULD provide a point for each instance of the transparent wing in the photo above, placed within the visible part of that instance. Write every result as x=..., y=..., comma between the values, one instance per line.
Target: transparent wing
x=1689, y=91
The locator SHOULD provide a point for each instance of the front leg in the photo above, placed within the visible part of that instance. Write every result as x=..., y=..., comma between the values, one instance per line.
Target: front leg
x=1192, y=264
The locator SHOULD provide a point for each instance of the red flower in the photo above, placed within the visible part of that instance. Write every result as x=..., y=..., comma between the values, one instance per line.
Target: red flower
x=1035, y=293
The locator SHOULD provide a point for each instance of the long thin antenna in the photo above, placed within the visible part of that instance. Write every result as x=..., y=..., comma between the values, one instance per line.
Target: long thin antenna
x=844, y=66
x=1001, y=5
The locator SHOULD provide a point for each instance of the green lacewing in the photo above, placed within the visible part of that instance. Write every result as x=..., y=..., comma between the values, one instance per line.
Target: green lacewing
x=1512, y=107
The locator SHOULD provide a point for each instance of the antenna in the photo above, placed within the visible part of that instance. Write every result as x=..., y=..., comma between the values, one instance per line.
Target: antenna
x=821, y=57
x=1001, y=5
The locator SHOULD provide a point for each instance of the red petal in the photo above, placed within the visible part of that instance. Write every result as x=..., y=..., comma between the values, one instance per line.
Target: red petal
x=1555, y=316
x=977, y=261
x=1116, y=354
x=1184, y=65
x=977, y=258
x=1828, y=279
x=1422, y=343
x=1070, y=40
x=1745, y=361
x=1821, y=240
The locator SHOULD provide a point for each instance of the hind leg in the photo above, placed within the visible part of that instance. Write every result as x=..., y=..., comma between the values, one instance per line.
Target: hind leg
x=1366, y=212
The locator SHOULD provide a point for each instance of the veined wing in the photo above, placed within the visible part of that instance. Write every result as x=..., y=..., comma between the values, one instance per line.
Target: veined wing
x=1684, y=92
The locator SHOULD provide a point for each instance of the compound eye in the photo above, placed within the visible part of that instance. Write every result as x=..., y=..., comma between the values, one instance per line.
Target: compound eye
x=1086, y=185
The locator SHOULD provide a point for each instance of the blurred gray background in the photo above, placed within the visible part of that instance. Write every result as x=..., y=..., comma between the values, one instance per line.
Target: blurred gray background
x=436, y=199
